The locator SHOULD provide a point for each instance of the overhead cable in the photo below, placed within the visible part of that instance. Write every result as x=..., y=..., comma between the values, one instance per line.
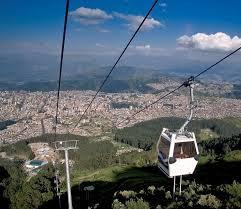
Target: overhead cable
x=61, y=63
x=209, y=68
x=117, y=61
x=177, y=88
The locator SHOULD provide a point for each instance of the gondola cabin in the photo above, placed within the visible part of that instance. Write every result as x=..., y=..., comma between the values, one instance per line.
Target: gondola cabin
x=177, y=153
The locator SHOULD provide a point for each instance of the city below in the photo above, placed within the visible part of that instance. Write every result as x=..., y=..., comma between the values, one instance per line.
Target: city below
x=34, y=112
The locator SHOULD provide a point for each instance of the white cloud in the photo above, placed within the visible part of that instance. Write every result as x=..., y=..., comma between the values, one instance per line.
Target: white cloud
x=213, y=42
x=144, y=47
x=163, y=4
x=88, y=16
x=147, y=50
x=134, y=21
x=99, y=45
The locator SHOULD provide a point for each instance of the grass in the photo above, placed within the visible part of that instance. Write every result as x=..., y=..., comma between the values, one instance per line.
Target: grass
x=105, y=174
x=114, y=174
x=115, y=178
x=134, y=177
x=108, y=181
x=131, y=174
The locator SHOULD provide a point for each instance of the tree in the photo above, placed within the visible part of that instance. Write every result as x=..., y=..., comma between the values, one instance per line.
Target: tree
x=4, y=175
x=32, y=194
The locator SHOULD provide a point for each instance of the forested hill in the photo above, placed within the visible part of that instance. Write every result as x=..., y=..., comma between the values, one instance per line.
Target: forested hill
x=145, y=134
x=130, y=180
x=124, y=79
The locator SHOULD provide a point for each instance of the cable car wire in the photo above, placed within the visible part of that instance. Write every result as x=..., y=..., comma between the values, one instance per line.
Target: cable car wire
x=209, y=68
x=183, y=84
x=147, y=106
x=61, y=63
x=59, y=82
x=117, y=61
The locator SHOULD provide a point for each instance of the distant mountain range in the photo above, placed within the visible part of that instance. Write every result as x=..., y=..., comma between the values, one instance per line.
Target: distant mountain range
x=35, y=72
x=124, y=79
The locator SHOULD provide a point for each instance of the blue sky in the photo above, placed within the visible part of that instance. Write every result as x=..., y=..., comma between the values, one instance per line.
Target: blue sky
x=41, y=21
x=101, y=28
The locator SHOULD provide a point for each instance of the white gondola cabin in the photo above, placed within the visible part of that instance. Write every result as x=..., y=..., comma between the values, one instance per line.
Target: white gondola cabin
x=177, y=152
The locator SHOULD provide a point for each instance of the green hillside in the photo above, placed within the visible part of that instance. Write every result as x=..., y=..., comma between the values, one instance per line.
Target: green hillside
x=132, y=180
x=144, y=135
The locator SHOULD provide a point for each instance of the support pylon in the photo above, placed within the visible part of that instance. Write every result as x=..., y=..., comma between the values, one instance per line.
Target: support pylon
x=66, y=146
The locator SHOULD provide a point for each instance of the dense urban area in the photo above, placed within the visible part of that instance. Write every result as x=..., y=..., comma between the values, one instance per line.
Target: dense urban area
x=33, y=112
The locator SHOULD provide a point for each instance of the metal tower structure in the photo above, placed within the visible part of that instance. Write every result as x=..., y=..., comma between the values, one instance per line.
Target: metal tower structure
x=66, y=146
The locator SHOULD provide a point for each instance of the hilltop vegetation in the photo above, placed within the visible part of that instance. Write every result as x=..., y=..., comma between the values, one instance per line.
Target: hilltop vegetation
x=132, y=180
x=19, y=150
x=17, y=192
x=90, y=155
x=144, y=135
x=40, y=190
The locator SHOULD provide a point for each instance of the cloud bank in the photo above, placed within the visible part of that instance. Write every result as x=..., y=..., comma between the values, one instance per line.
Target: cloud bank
x=146, y=50
x=133, y=21
x=213, y=42
x=163, y=4
x=87, y=16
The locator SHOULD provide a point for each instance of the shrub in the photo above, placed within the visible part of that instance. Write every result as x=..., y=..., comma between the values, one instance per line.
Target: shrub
x=234, y=189
x=209, y=201
x=233, y=156
x=117, y=204
x=128, y=194
x=151, y=189
x=139, y=204
x=168, y=195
